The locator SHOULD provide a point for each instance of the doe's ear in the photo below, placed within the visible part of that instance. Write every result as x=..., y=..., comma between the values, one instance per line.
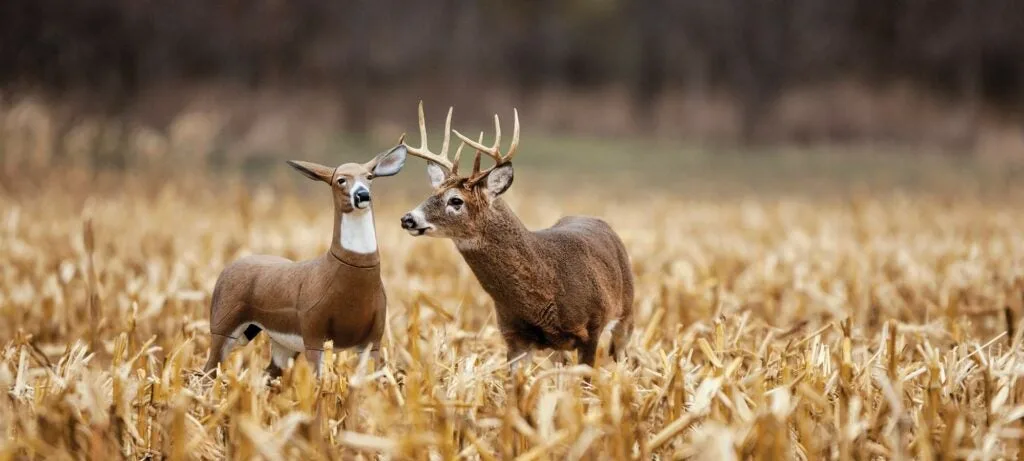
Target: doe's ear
x=436, y=173
x=314, y=171
x=388, y=163
x=499, y=180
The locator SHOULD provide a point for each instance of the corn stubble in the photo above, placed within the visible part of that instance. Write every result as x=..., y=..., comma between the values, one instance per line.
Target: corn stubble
x=878, y=328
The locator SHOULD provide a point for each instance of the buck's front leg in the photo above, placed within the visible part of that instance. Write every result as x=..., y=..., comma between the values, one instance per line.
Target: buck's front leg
x=519, y=354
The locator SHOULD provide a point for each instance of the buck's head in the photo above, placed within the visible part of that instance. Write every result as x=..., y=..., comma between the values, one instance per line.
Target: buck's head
x=351, y=182
x=459, y=204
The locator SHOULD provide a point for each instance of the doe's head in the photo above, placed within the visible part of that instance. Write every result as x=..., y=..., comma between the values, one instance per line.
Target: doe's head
x=458, y=204
x=350, y=182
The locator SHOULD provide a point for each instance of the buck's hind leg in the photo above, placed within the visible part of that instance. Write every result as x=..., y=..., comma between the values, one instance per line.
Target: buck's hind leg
x=621, y=333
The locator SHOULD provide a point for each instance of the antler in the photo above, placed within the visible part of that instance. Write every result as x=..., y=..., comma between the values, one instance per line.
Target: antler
x=424, y=152
x=493, y=151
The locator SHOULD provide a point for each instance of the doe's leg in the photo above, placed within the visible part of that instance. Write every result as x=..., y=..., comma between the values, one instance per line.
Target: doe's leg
x=219, y=346
x=279, y=356
x=315, y=356
x=374, y=348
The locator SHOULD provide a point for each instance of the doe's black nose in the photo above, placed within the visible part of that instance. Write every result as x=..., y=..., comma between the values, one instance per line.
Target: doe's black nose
x=408, y=222
x=362, y=195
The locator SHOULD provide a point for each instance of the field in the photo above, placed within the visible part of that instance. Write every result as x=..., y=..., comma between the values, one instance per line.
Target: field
x=868, y=325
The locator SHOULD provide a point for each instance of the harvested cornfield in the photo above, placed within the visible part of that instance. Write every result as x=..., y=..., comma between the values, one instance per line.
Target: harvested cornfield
x=881, y=327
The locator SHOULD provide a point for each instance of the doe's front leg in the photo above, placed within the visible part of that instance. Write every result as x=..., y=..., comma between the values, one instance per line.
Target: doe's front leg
x=374, y=349
x=315, y=359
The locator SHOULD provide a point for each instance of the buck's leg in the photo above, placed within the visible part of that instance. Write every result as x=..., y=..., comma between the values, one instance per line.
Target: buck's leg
x=561, y=358
x=588, y=352
x=517, y=348
x=620, y=338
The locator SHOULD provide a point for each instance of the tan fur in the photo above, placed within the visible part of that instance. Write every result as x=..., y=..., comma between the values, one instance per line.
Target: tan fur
x=552, y=288
x=338, y=296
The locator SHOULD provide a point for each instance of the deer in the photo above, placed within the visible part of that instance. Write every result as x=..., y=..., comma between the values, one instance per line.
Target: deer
x=338, y=296
x=556, y=288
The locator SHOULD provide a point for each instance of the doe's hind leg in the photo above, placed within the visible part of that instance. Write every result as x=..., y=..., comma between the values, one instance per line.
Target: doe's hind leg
x=374, y=357
x=279, y=356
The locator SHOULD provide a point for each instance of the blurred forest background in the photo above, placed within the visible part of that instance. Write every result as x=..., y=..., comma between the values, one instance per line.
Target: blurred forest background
x=112, y=82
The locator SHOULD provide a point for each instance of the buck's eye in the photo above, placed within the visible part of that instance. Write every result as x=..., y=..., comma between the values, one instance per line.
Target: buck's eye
x=341, y=181
x=455, y=202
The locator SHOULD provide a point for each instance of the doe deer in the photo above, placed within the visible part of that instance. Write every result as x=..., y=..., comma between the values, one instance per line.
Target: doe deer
x=338, y=296
x=554, y=288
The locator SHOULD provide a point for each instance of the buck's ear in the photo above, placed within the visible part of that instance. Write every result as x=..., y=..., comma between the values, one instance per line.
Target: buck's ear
x=499, y=180
x=436, y=174
x=314, y=171
x=388, y=163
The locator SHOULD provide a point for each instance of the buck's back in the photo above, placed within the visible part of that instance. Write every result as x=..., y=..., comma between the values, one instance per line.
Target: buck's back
x=588, y=255
x=584, y=232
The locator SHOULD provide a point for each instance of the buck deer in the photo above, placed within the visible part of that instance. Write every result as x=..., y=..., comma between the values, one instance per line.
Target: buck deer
x=337, y=296
x=553, y=288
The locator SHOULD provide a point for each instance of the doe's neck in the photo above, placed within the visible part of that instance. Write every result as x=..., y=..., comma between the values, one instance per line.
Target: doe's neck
x=355, y=238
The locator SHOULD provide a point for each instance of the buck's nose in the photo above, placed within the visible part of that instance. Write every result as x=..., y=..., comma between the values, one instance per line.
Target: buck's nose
x=408, y=222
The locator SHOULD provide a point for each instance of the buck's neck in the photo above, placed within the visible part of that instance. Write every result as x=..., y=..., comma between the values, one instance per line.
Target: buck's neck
x=355, y=238
x=507, y=261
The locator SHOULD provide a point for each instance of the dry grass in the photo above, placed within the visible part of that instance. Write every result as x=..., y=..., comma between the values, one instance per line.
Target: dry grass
x=883, y=327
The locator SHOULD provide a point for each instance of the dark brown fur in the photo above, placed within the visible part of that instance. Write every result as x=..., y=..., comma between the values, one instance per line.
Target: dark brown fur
x=555, y=288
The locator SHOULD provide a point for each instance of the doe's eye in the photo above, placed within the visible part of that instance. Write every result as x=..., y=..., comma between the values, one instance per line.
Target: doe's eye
x=341, y=181
x=455, y=202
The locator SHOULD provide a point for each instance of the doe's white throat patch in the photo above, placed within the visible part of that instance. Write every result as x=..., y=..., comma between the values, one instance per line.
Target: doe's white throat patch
x=357, y=232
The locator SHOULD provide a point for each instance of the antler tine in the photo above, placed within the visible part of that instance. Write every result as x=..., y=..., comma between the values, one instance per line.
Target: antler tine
x=476, y=159
x=455, y=160
x=494, y=151
x=423, y=151
x=497, y=135
x=447, y=135
x=423, y=127
x=515, y=136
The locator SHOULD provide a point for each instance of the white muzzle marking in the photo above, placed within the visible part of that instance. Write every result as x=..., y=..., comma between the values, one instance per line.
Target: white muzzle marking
x=422, y=226
x=356, y=203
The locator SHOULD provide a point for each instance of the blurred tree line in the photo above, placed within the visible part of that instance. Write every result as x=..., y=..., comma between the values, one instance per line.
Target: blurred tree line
x=967, y=50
